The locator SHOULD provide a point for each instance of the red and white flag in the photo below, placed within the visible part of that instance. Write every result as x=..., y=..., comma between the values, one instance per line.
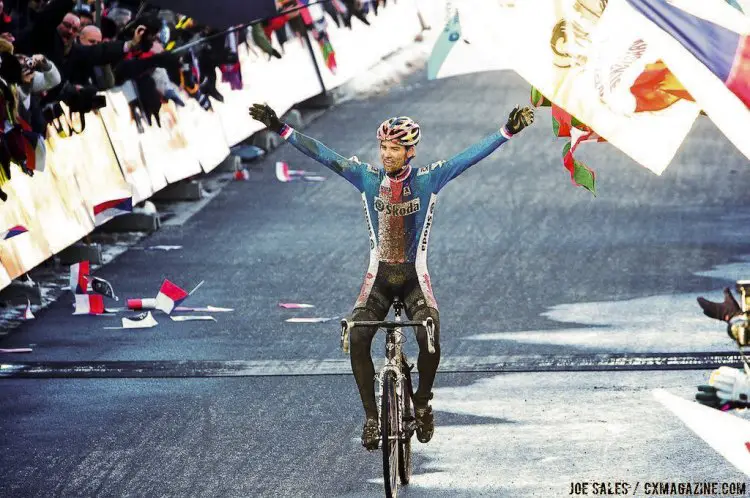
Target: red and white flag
x=169, y=296
x=79, y=277
x=284, y=174
x=242, y=175
x=89, y=304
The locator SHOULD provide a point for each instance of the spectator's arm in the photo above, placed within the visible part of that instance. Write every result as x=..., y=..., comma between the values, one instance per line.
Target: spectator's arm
x=46, y=80
x=133, y=68
x=101, y=54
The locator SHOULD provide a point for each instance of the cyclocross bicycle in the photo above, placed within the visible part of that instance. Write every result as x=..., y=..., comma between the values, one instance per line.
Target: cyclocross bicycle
x=397, y=422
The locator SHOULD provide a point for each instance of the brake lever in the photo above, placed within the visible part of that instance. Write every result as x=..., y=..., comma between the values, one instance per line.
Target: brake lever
x=345, y=326
x=429, y=324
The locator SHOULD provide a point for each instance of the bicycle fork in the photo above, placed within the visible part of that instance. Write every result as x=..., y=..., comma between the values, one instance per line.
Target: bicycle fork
x=393, y=365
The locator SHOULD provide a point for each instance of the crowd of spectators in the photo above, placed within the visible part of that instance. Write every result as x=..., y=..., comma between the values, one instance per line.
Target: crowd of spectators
x=54, y=51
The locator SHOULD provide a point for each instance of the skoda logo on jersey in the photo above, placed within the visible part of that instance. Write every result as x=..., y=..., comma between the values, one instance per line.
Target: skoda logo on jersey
x=401, y=209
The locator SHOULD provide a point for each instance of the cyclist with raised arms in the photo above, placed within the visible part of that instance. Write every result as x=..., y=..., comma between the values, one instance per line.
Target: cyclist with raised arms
x=399, y=202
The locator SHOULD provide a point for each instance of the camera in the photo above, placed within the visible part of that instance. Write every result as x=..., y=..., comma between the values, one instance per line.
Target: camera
x=83, y=100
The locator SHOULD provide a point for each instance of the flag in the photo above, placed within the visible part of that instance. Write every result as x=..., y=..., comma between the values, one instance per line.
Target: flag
x=142, y=304
x=169, y=296
x=326, y=50
x=539, y=100
x=107, y=210
x=242, y=175
x=580, y=174
x=566, y=125
x=708, y=49
x=89, y=304
x=581, y=56
x=734, y=4
x=101, y=286
x=79, y=275
x=444, y=45
x=284, y=174
x=12, y=232
x=656, y=88
x=27, y=314
x=36, y=151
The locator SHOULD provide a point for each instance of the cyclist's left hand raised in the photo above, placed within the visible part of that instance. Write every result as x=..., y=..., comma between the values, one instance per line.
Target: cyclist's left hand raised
x=519, y=119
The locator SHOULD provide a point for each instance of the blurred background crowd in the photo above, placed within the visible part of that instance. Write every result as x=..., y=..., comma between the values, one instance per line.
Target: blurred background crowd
x=68, y=51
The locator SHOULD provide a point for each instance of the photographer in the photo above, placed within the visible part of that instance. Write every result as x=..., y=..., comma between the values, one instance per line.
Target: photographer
x=38, y=74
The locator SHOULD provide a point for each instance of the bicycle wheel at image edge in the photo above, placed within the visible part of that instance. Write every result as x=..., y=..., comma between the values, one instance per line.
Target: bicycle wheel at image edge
x=389, y=435
x=404, y=454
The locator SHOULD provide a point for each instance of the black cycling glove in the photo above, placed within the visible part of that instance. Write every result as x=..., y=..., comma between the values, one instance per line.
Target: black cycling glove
x=267, y=116
x=519, y=119
x=721, y=311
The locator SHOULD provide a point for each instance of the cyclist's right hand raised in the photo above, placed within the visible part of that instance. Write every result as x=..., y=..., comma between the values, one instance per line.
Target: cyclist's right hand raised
x=267, y=116
x=721, y=311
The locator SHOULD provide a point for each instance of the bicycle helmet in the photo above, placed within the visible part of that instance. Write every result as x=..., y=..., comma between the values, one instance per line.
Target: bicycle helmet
x=403, y=130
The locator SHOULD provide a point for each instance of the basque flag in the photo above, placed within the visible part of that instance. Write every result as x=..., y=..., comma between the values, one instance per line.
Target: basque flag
x=89, y=304
x=107, y=210
x=16, y=230
x=724, y=52
x=169, y=296
x=79, y=277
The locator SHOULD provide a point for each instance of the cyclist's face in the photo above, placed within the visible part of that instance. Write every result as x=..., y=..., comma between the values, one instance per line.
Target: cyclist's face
x=393, y=155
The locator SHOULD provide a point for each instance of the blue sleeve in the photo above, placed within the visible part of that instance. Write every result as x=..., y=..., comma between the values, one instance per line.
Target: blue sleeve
x=443, y=172
x=351, y=170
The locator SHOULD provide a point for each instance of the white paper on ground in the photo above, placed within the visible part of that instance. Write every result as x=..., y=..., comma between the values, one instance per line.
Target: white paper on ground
x=189, y=318
x=207, y=308
x=139, y=322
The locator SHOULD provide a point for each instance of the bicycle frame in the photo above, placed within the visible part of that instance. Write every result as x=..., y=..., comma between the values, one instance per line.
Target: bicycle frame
x=394, y=341
x=394, y=433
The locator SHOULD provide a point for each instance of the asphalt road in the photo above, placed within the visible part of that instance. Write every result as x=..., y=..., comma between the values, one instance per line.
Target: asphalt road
x=524, y=266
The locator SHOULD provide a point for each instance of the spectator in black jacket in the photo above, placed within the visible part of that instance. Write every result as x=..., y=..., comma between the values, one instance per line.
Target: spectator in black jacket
x=52, y=33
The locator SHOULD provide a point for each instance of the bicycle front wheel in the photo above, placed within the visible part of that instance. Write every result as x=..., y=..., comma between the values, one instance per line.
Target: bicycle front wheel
x=389, y=435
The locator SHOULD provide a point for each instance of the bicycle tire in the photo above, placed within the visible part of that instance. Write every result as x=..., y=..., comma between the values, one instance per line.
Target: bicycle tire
x=404, y=453
x=389, y=435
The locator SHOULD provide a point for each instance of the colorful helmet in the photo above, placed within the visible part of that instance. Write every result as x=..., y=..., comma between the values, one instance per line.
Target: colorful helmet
x=403, y=130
